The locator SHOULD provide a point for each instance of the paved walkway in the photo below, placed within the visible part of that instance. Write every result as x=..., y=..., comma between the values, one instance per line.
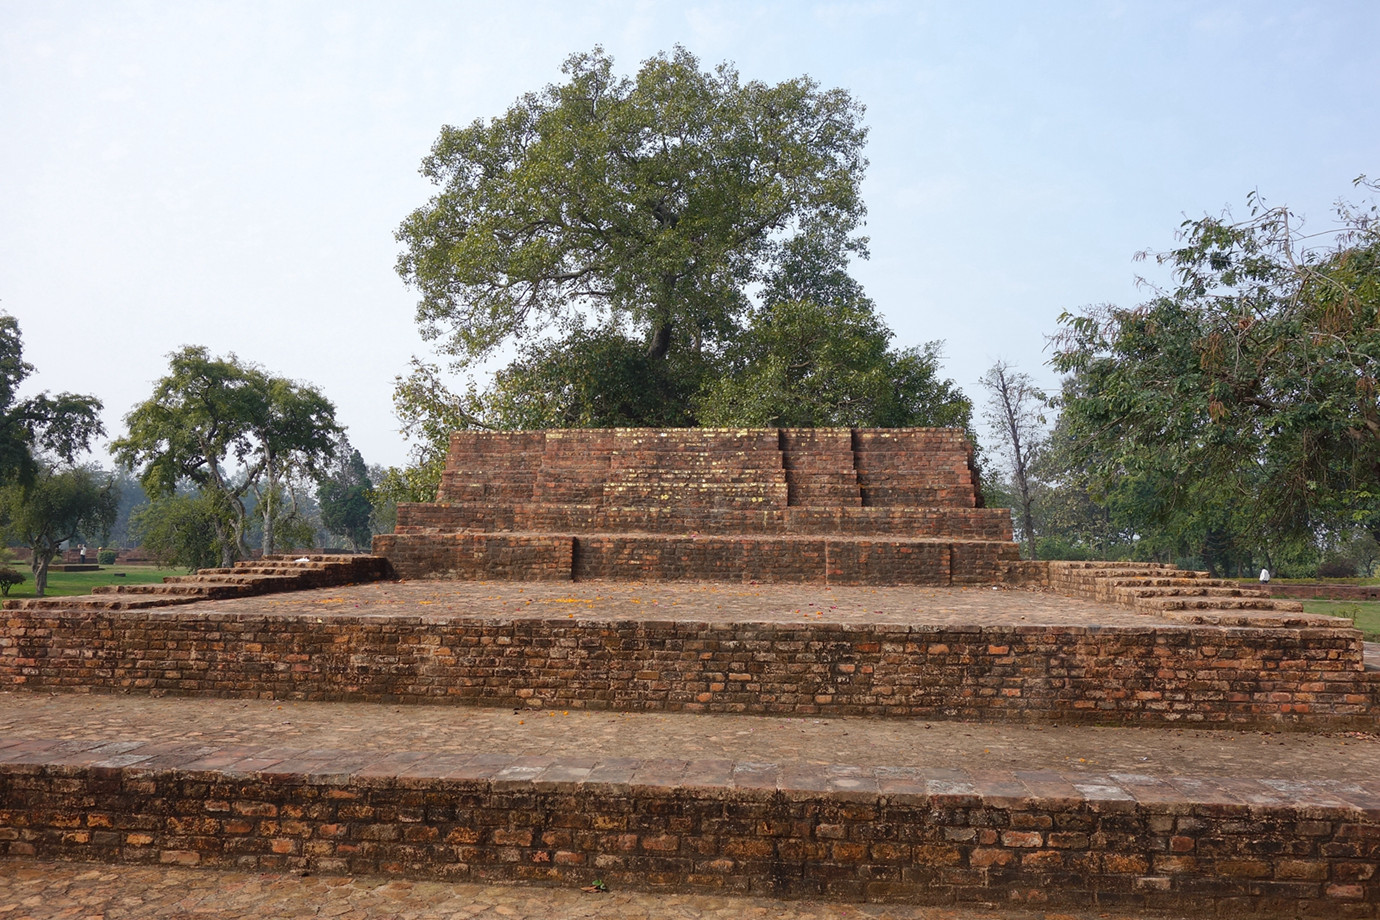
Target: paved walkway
x=710, y=601
x=42, y=890
x=372, y=727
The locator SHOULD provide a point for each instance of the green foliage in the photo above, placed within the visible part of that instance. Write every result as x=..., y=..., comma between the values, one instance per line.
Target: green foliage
x=10, y=577
x=1238, y=412
x=72, y=584
x=655, y=199
x=589, y=379
x=417, y=483
x=180, y=531
x=107, y=556
x=58, y=505
x=810, y=364
x=230, y=429
x=346, y=496
x=60, y=426
x=665, y=250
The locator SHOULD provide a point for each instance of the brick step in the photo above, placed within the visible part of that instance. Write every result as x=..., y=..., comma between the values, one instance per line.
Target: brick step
x=734, y=476
x=875, y=496
x=831, y=559
x=785, y=829
x=971, y=523
x=1187, y=591
x=224, y=577
x=1190, y=579
x=1258, y=619
x=846, y=477
x=243, y=584
x=827, y=461
x=1105, y=566
x=191, y=590
x=91, y=602
x=1217, y=603
x=270, y=574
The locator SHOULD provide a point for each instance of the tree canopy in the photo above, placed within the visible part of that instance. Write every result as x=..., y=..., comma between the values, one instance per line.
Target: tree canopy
x=816, y=354
x=229, y=429
x=655, y=199
x=1240, y=408
x=58, y=504
x=60, y=426
x=345, y=494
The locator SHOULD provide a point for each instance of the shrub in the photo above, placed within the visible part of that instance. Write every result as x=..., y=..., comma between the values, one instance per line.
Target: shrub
x=106, y=556
x=9, y=578
x=1336, y=567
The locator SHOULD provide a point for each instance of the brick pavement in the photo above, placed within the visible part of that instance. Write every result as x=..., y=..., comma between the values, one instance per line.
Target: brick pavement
x=702, y=601
x=374, y=728
x=46, y=890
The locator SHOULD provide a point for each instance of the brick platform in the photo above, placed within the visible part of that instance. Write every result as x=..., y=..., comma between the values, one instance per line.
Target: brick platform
x=854, y=540
x=1267, y=845
x=893, y=658
x=1216, y=846
x=822, y=506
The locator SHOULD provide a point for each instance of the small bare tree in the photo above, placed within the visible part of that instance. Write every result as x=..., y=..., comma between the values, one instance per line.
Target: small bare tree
x=1015, y=410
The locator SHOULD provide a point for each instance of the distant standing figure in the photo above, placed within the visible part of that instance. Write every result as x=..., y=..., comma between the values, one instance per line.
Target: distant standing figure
x=1264, y=576
x=81, y=554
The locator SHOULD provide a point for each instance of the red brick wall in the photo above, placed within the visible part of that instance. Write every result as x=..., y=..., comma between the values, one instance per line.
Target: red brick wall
x=956, y=523
x=1279, y=678
x=471, y=556
x=728, y=483
x=796, y=831
x=745, y=468
x=657, y=557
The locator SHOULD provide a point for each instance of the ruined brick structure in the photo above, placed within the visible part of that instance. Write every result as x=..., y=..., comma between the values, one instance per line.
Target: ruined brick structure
x=825, y=506
x=1127, y=644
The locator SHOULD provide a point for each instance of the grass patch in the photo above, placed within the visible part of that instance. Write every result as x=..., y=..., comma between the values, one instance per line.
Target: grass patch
x=69, y=584
x=1365, y=614
x=1322, y=581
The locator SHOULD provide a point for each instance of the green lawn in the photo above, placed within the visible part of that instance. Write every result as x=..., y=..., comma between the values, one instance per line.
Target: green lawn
x=1365, y=614
x=65, y=584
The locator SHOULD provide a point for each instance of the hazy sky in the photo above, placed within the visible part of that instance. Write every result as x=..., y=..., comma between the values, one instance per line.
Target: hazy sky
x=230, y=174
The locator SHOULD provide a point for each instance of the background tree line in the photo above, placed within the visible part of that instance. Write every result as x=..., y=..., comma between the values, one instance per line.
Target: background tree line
x=673, y=248
x=1230, y=421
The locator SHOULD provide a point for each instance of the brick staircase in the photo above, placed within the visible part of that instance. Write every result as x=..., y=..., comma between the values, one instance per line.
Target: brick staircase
x=1178, y=595
x=247, y=578
x=824, y=506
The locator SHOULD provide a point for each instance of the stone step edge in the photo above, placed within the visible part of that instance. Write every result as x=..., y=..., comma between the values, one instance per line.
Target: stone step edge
x=940, y=785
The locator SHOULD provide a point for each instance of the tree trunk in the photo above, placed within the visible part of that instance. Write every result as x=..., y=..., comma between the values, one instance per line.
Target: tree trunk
x=660, y=345
x=227, y=543
x=41, y=561
x=270, y=475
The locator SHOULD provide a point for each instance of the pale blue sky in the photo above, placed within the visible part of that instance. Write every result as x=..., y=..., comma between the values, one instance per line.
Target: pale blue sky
x=230, y=174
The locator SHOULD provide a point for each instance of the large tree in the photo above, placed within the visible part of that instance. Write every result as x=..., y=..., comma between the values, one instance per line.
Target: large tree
x=1247, y=397
x=346, y=495
x=59, y=503
x=45, y=497
x=657, y=200
x=60, y=426
x=229, y=429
